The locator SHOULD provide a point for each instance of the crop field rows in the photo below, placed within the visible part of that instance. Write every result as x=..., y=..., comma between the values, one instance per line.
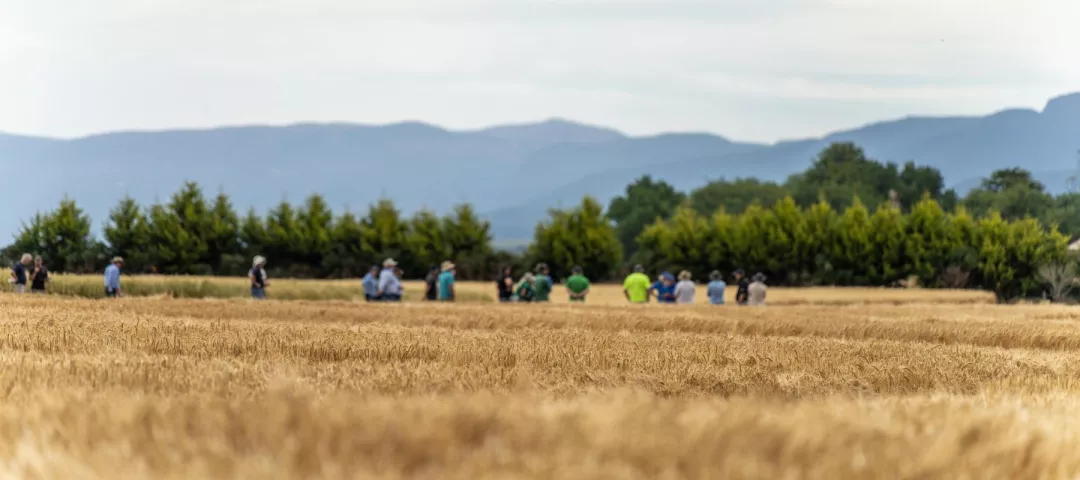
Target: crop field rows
x=902, y=384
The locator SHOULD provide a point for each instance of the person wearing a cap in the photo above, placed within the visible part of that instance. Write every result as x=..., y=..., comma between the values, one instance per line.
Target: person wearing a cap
x=389, y=283
x=446, y=282
x=257, y=275
x=743, y=293
x=112, y=277
x=665, y=288
x=756, y=290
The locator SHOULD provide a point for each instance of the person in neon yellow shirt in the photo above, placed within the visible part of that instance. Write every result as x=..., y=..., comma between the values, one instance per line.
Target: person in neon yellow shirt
x=636, y=286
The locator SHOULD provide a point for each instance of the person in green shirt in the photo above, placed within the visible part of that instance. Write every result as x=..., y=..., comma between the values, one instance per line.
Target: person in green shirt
x=543, y=284
x=636, y=286
x=577, y=286
x=525, y=290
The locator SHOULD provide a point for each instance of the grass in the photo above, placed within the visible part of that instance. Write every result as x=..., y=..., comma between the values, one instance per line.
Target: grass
x=91, y=286
x=825, y=383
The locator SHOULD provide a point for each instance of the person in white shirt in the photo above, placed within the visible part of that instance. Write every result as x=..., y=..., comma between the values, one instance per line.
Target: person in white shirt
x=756, y=290
x=389, y=283
x=684, y=290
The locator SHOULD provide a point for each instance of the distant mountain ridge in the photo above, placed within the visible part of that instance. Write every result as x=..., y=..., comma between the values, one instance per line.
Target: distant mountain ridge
x=512, y=173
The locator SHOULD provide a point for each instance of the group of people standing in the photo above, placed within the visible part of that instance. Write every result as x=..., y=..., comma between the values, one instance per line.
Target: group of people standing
x=537, y=286
x=23, y=273
x=639, y=289
x=384, y=284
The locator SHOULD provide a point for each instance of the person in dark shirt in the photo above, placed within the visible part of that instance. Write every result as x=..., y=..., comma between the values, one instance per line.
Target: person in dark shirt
x=39, y=277
x=742, y=295
x=18, y=273
x=505, y=285
x=431, y=292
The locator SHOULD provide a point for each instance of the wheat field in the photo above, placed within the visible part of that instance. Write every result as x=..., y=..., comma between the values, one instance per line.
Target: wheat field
x=822, y=383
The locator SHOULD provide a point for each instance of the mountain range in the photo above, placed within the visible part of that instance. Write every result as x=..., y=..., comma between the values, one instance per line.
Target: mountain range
x=512, y=173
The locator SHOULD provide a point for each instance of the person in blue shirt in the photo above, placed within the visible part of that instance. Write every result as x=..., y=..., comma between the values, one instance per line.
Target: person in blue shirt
x=716, y=288
x=112, y=277
x=389, y=283
x=446, y=283
x=371, y=284
x=665, y=288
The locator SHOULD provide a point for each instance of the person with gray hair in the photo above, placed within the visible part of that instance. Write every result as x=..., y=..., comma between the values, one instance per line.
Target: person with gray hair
x=685, y=289
x=389, y=283
x=18, y=273
x=756, y=290
x=257, y=275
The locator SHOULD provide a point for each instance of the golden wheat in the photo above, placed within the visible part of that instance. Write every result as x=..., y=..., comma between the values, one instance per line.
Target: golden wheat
x=870, y=384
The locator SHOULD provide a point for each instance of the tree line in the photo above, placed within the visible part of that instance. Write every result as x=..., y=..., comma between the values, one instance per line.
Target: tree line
x=846, y=220
x=840, y=173
x=191, y=234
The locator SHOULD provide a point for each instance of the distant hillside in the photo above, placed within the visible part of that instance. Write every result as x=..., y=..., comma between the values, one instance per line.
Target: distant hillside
x=513, y=173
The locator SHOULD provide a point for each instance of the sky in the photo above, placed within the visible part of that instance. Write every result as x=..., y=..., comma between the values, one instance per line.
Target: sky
x=753, y=70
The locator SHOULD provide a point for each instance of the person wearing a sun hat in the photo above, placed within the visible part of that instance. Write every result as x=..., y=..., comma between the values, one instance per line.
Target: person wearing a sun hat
x=257, y=275
x=446, y=282
x=389, y=283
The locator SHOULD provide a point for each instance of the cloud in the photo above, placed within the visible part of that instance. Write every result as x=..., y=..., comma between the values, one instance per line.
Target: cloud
x=741, y=68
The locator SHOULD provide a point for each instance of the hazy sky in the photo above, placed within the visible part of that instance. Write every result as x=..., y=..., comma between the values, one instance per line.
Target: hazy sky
x=747, y=69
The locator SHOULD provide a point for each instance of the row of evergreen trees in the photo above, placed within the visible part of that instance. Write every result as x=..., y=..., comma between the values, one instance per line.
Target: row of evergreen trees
x=818, y=245
x=193, y=235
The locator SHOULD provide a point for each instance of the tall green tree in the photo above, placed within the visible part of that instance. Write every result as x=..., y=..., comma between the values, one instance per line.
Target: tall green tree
x=887, y=240
x=314, y=223
x=468, y=242
x=62, y=238
x=853, y=250
x=253, y=236
x=284, y=237
x=426, y=244
x=642, y=203
x=223, y=241
x=127, y=234
x=179, y=233
x=383, y=232
x=1012, y=192
x=735, y=196
x=346, y=257
x=582, y=236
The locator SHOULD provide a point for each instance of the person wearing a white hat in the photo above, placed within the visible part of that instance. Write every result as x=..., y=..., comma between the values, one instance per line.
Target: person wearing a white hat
x=389, y=283
x=446, y=282
x=257, y=275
